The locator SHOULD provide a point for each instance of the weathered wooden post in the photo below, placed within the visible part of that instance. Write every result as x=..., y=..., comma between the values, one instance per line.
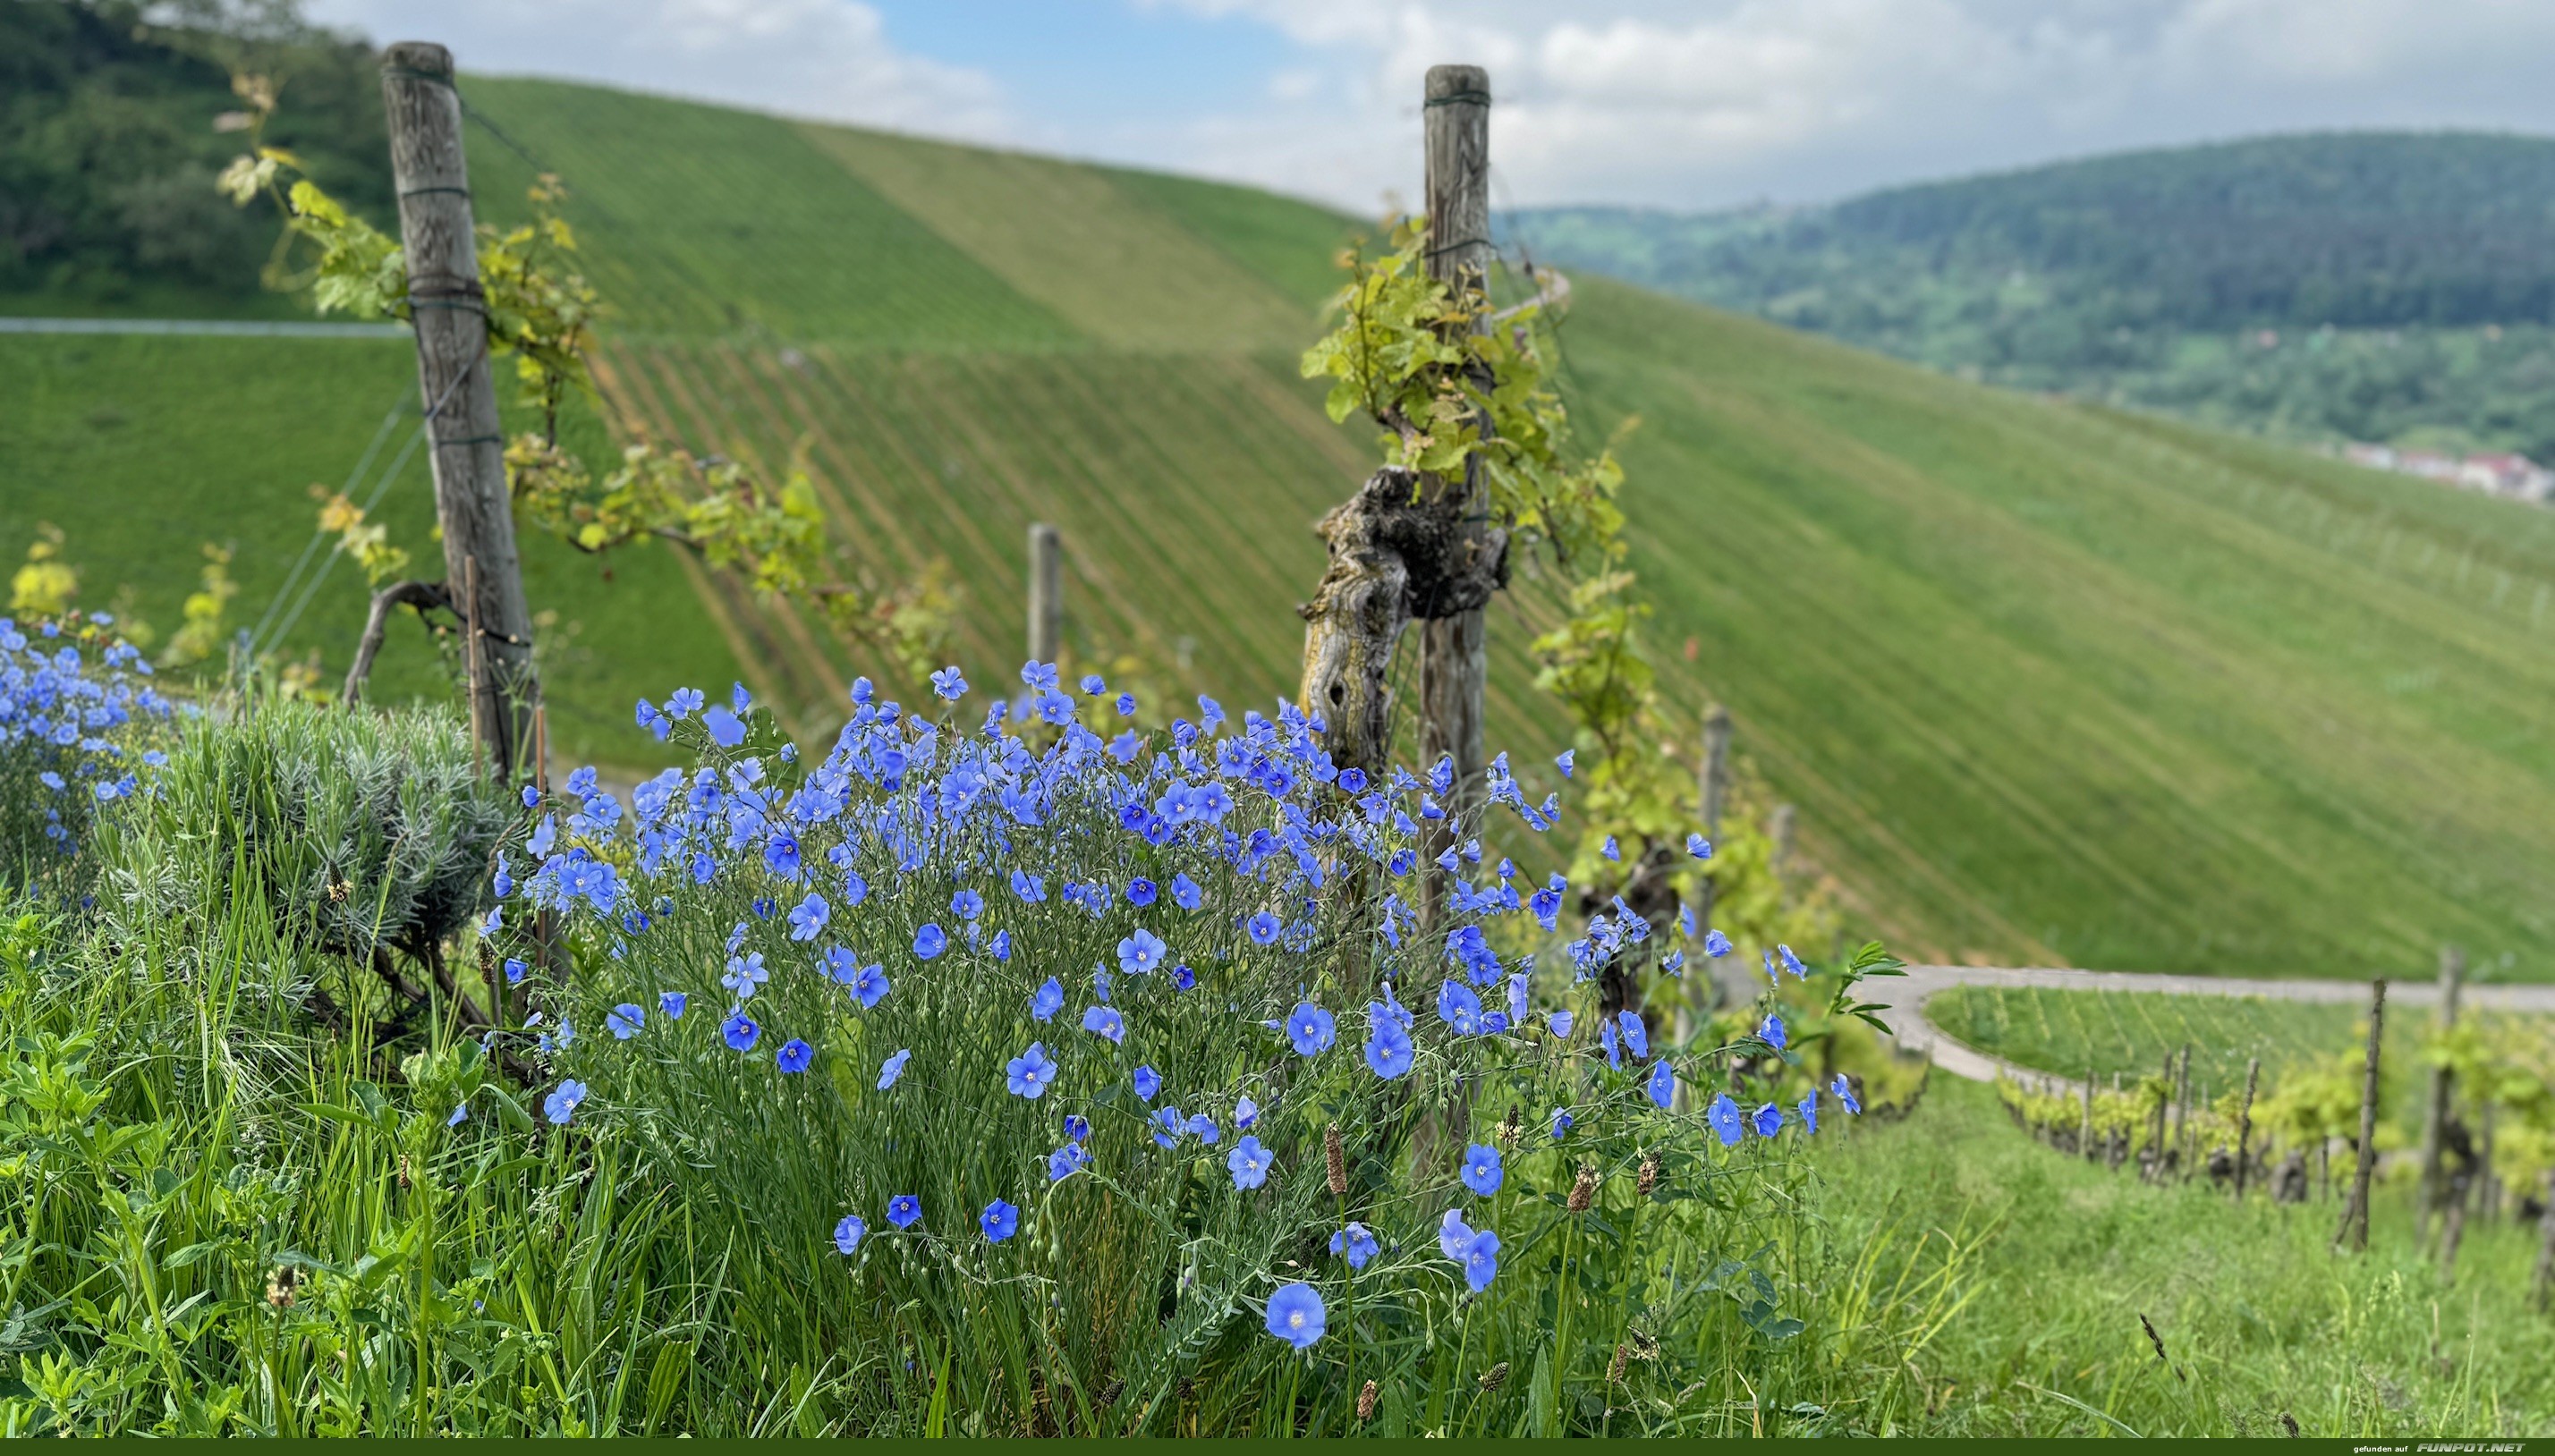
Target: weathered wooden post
x=2085, y=1133
x=2435, y=1117
x=450, y=313
x=1455, y=648
x=2355, y=1212
x=2542, y=1285
x=1786, y=820
x=1047, y=592
x=2244, y=1126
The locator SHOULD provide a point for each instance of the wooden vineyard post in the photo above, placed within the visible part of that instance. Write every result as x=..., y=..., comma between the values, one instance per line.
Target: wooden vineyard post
x=2244, y=1126
x=2085, y=1132
x=450, y=313
x=1047, y=592
x=2154, y=1171
x=2355, y=1212
x=1454, y=646
x=2542, y=1285
x=2435, y=1116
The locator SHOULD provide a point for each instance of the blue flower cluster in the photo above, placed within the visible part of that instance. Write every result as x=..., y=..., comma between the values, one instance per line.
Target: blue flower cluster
x=1169, y=935
x=67, y=694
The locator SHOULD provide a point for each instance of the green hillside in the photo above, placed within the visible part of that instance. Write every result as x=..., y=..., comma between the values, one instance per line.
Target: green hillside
x=2370, y=285
x=2049, y=682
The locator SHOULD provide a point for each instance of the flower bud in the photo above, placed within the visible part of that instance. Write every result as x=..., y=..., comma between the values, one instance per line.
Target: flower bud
x=1366, y=1403
x=1335, y=1161
x=1583, y=1192
x=1494, y=1376
x=1649, y=1174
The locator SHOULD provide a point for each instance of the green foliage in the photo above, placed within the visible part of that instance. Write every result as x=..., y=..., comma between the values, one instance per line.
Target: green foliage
x=114, y=118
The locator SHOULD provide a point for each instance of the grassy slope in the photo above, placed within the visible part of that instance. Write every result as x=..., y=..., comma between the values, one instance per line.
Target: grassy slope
x=2252, y=1303
x=2050, y=683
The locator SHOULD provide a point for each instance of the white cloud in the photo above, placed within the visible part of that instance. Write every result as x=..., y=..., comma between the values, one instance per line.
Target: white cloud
x=823, y=59
x=1716, y=101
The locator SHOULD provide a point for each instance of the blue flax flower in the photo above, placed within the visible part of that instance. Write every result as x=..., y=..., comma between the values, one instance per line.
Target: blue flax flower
x=561, y=1104
x=1000, y=1221
x=1141, y=952
x=1662, y=1084
x=1104, y=1022
x=1565, y=761
x=1481, y=1171
x=1561, y=1121
x=740, y=1030
x=1454, y=1236
x=1723, y=1115
x=625, y=1020
x=1202, y=1127
x=1769, y=1120
x=1809, y=1105
x=1845, y=1093
x=1077, y=1129
x=1771, y=1031
x=869, y=985
x=1698, y=846
x=724, y=727
x=516, y=971
x=795, y=1055
x=1354, y=1245
x=1148, y=1082
x=929, y=942
x=1606, y=1037
x=1560, y=1022
x=1030, y=1073
x=1047, y=1001
x=1715, y=943
x=905, y=1210
x=1636, y=1037
x=966, y=904
x=1245, y=1114
x=1140, y=891
x=1263, y=927
x=671, y=1003
x=808, y=918
x=950, y=684
x=1387, y=1044
x=1064, y=1162
x=848, y=1233
x=1792, y=962
x=1482, y=1260
x=1310, y=1028
x=1185, y=893
x=1183, y=978
x=1168, y=1126
x=894, y=1067
x=1249, y=1163
x=1295, y=1315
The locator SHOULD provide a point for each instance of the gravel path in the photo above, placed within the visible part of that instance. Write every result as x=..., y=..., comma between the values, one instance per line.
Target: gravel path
x=1904, y=1001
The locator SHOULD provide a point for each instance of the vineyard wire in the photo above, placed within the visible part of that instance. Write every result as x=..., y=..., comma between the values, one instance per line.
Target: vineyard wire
x=390, y=421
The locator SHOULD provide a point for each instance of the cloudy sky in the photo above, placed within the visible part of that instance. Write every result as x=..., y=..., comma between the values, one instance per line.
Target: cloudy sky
x=1701, y=104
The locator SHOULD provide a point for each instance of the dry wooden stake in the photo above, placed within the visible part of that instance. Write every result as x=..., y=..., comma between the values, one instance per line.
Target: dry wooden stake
x=2427, y=1194
x=1047, y=593
x=450, y=313
x=2244, y=1126
x=2355, y=1212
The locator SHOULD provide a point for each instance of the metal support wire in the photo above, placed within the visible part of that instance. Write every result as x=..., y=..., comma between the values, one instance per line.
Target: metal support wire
x=390, y=421
x=381, y=486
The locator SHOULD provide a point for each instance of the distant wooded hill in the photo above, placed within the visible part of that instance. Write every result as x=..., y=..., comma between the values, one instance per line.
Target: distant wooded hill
x=2379, y=286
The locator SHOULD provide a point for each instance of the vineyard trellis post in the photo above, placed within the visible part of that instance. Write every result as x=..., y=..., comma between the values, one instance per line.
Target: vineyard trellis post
x=2244, y=1126
x=2435, y=1117
x=466, y=442
x=2355, y=1212
x=1454, y=646
x=1410, y=547
x=1047, y=592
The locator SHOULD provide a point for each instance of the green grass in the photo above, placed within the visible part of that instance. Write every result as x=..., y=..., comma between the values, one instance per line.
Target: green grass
x=2071, y=1033
x=2050, y=683
x=2253, y=1307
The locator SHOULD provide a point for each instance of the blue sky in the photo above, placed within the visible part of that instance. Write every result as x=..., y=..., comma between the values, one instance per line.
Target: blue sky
x=1679, y=103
